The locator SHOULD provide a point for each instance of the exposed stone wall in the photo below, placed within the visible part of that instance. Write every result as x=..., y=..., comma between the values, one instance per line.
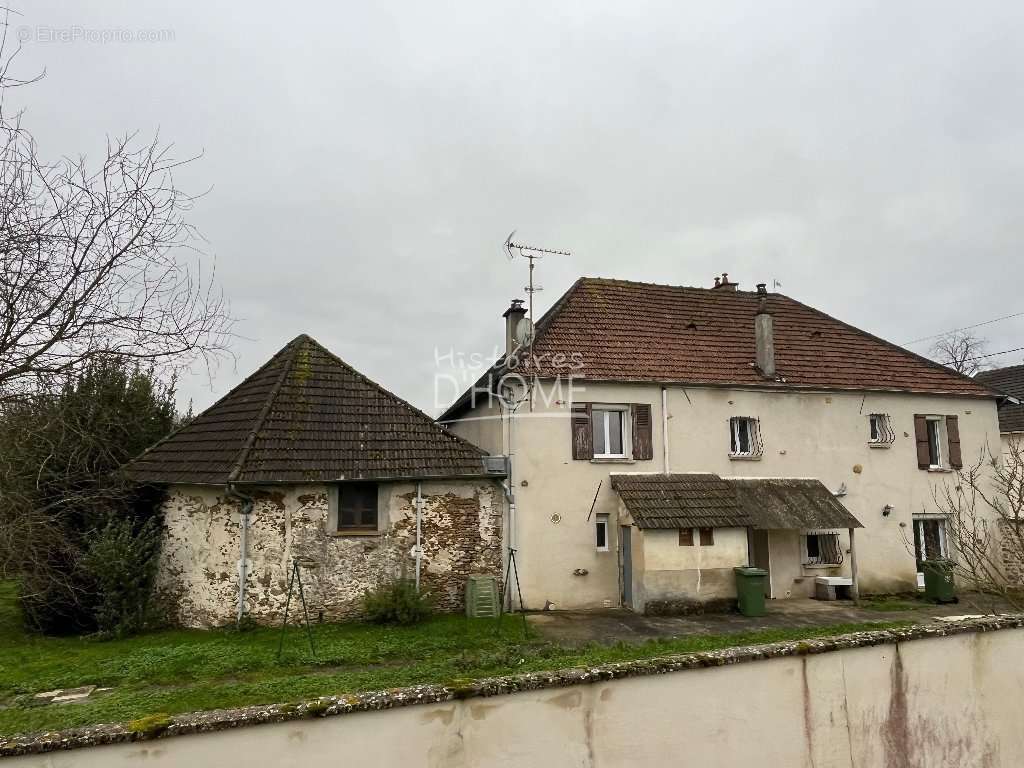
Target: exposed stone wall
x=461, y=533
x=1012, y=552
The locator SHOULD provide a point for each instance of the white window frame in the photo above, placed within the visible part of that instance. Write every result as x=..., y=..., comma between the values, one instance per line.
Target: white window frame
x=942, y=520
x=623, y=412
x=602, y=521
x=753, y=437
x=940, y=440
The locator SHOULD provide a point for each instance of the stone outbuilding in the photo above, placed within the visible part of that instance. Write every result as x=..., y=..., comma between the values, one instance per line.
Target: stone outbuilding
x=308, y=460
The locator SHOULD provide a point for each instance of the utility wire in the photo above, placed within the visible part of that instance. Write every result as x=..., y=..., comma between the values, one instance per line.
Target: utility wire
x=966, y=328
x=994, y=354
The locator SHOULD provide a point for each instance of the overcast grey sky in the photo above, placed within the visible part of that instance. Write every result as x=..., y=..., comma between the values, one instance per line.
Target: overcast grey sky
x=368, y=159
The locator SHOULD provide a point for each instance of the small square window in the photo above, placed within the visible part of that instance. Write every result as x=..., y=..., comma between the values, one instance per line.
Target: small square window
x=879, y=430
x=822, y=549
x=357, y=507
x=601, y=532
x=707, y=537
x=686, y=537
x=744, y=437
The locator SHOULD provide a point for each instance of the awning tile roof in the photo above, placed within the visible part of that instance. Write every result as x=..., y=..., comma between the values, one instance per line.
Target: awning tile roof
x=697, y=500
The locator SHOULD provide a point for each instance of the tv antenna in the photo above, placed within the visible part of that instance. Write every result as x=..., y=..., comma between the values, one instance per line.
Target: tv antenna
x=531, y=253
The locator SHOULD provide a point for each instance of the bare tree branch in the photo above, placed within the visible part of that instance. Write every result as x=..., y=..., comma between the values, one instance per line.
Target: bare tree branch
x=984, y=510
x=960, y=351
x=97, y=259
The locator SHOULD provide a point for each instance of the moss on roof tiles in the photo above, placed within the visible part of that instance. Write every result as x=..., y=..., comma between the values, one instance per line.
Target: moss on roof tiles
x=307, y=416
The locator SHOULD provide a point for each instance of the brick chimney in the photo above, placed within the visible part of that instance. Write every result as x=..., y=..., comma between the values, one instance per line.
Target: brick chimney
x=513, y=315
x=764, y=336
x=723, y=283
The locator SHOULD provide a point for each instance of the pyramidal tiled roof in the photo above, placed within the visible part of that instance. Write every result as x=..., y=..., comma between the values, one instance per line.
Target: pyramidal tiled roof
x=307, y=416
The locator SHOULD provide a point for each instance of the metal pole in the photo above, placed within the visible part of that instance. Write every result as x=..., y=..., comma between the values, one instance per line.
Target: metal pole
x=243, y=570
x=855, y=588
x=243, y=545
x=664, y=427
x=419, y=546
x=305, y=611
x=287, y=604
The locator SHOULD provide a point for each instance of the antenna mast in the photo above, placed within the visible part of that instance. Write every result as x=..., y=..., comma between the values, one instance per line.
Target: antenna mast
x=531, y=253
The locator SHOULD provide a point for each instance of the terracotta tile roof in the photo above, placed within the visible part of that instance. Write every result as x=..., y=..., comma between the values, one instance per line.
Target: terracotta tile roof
x=680, y=501
x=628, y=331
x=1010, y=381
x=307, y=416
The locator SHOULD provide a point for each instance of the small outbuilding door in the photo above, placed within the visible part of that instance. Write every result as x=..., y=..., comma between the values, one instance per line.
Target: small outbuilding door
x=626, y=561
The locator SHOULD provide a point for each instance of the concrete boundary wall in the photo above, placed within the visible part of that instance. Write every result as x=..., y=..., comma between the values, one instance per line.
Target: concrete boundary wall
x=934, y=695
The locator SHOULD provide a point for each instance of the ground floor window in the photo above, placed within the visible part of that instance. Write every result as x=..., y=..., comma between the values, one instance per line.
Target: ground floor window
x=929, y=539
x=601, y=532
x=706, y=537
x=822, y=549
x=357, y=507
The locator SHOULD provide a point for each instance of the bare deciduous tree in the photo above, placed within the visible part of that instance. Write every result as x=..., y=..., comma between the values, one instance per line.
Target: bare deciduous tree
x=984, y=509
x=96, y=259
x=961, y=351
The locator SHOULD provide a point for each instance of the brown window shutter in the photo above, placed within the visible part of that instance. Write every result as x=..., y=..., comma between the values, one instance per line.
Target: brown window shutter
x=643, y=441
x=921, y=435
x=582, y=432
x=953, y=438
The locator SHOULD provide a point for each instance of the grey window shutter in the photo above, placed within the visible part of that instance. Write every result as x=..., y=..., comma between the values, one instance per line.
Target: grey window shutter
x=643, y=440
x=921, y=436
x=582, y=432
x=953, y=439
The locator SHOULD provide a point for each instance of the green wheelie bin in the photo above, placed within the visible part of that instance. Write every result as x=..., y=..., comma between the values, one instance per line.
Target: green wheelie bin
x=750, y=590
x=939, y=586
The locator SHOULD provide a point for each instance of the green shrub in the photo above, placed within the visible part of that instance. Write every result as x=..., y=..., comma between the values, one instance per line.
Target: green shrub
x=151, y=725
x=397, y=603
x=122, y=562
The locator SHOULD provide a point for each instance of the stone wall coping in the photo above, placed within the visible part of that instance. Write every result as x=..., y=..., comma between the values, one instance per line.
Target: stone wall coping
x=330, y=706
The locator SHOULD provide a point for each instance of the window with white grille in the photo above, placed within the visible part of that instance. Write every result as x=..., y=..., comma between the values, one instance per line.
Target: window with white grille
x=822, y=548
x=745, y=438
x=879, y=430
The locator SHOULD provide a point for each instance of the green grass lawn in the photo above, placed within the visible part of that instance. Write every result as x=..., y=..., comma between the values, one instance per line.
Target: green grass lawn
x=175, y=671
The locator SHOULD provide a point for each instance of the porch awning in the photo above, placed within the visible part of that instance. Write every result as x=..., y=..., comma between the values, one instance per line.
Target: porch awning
x=680, y=501
x=698, y=500
x=791, y=503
